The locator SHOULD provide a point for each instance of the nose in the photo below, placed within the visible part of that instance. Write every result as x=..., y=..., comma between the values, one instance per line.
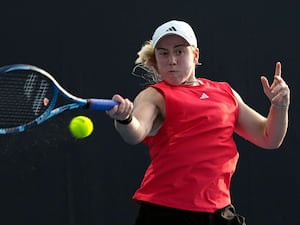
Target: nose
x=172, y=59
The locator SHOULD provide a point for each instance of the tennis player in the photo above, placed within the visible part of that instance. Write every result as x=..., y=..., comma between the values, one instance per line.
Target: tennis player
x=188, y=124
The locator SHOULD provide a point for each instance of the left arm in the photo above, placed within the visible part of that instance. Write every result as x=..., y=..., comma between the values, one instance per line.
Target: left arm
x=266, y=132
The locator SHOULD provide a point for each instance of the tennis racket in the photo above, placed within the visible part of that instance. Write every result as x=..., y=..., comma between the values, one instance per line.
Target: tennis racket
x=29, y=97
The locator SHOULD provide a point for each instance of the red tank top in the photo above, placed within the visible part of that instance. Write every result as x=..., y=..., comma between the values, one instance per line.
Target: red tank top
x=193, y=155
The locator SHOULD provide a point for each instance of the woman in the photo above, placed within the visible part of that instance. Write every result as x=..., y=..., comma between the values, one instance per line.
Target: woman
x=188, y=125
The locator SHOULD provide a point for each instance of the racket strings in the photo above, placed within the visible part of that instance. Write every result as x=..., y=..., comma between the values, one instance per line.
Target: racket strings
x=23, y=97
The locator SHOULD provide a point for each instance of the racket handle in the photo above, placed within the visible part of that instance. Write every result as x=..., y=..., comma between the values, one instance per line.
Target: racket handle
x=101, y=104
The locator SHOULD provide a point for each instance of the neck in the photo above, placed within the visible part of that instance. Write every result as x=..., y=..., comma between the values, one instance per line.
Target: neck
x=194, y=82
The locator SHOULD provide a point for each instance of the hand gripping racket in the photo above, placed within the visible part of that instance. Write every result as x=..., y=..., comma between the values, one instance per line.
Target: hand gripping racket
x=29, y=95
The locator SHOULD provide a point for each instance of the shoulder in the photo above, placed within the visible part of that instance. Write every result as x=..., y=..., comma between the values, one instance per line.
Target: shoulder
x=150, y=95
x=215, y=83
x=239, y=98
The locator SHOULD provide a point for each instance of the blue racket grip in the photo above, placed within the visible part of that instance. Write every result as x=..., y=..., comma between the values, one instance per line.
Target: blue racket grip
x=101, y=104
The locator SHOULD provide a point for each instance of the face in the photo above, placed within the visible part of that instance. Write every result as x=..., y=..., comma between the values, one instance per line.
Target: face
x=176, y=60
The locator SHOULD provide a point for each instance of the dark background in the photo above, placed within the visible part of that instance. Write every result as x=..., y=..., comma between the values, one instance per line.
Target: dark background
x=47, y=177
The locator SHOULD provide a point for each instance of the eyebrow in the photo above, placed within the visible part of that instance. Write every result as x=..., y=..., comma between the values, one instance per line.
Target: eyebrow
x=176, y=46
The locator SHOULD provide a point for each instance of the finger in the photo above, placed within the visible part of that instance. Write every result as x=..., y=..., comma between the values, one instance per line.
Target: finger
x=277, y=75
x=278, y=69
x=129, y=106
x=265, y=83
x=118, y=98
x=112, y=111
x=279, y=80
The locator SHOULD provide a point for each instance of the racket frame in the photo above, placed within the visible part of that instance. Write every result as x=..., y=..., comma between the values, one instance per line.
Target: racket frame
x=50, y=111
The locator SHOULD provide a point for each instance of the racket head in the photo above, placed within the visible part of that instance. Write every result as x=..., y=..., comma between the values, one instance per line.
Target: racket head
x=28, y=96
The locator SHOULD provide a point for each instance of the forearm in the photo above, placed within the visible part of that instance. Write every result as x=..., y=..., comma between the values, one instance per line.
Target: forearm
x=132, y=133
x=276, y=126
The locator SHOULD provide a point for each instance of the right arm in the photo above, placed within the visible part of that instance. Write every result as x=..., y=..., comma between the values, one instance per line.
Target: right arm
x=266, y=132
x=146, y=114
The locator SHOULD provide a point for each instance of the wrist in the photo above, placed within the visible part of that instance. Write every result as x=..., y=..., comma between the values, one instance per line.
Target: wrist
x=280, y=106
x=126, y=121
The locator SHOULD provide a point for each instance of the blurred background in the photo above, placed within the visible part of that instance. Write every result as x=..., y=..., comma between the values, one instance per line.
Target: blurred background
x=47, y=177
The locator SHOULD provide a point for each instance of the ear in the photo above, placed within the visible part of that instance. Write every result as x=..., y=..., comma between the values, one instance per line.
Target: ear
x=196, y=55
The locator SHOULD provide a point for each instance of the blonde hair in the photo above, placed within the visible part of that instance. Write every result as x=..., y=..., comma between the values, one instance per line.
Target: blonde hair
x=146, y=54
x=146, y=64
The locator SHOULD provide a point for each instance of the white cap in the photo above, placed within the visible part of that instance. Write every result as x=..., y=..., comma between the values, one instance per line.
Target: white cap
x=179, y=28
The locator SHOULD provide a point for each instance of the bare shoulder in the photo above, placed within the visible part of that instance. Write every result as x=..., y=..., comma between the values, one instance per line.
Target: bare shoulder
x=243, y=107
x=149, y=107
x=242, y=104
x=238, y=97
x=150, y=96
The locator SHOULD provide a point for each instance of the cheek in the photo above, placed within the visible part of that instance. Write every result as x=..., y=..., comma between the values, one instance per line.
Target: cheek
x=161, y=64
x=188, y=61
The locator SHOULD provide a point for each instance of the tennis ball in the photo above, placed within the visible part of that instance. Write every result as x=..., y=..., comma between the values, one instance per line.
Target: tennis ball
x=81, y=127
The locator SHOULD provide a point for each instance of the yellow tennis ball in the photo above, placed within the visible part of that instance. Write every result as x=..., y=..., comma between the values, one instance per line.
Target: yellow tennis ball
x=81, y=127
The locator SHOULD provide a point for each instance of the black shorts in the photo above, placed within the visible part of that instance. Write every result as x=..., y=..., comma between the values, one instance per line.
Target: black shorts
x=150, y=214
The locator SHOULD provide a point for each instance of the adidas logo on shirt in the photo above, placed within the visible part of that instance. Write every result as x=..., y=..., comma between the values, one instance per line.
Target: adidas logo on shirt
x=204, y=96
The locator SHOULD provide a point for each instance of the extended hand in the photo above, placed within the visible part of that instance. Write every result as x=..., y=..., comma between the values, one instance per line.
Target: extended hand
x=278, y=92
x=121, y=111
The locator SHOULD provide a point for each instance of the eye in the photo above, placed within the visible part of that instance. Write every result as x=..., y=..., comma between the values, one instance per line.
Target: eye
x=179, y=51
x=162, y=53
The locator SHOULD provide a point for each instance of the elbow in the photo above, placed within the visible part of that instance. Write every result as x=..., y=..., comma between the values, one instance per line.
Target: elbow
x=272, y=145
x=133, y=140
x=273, y=141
